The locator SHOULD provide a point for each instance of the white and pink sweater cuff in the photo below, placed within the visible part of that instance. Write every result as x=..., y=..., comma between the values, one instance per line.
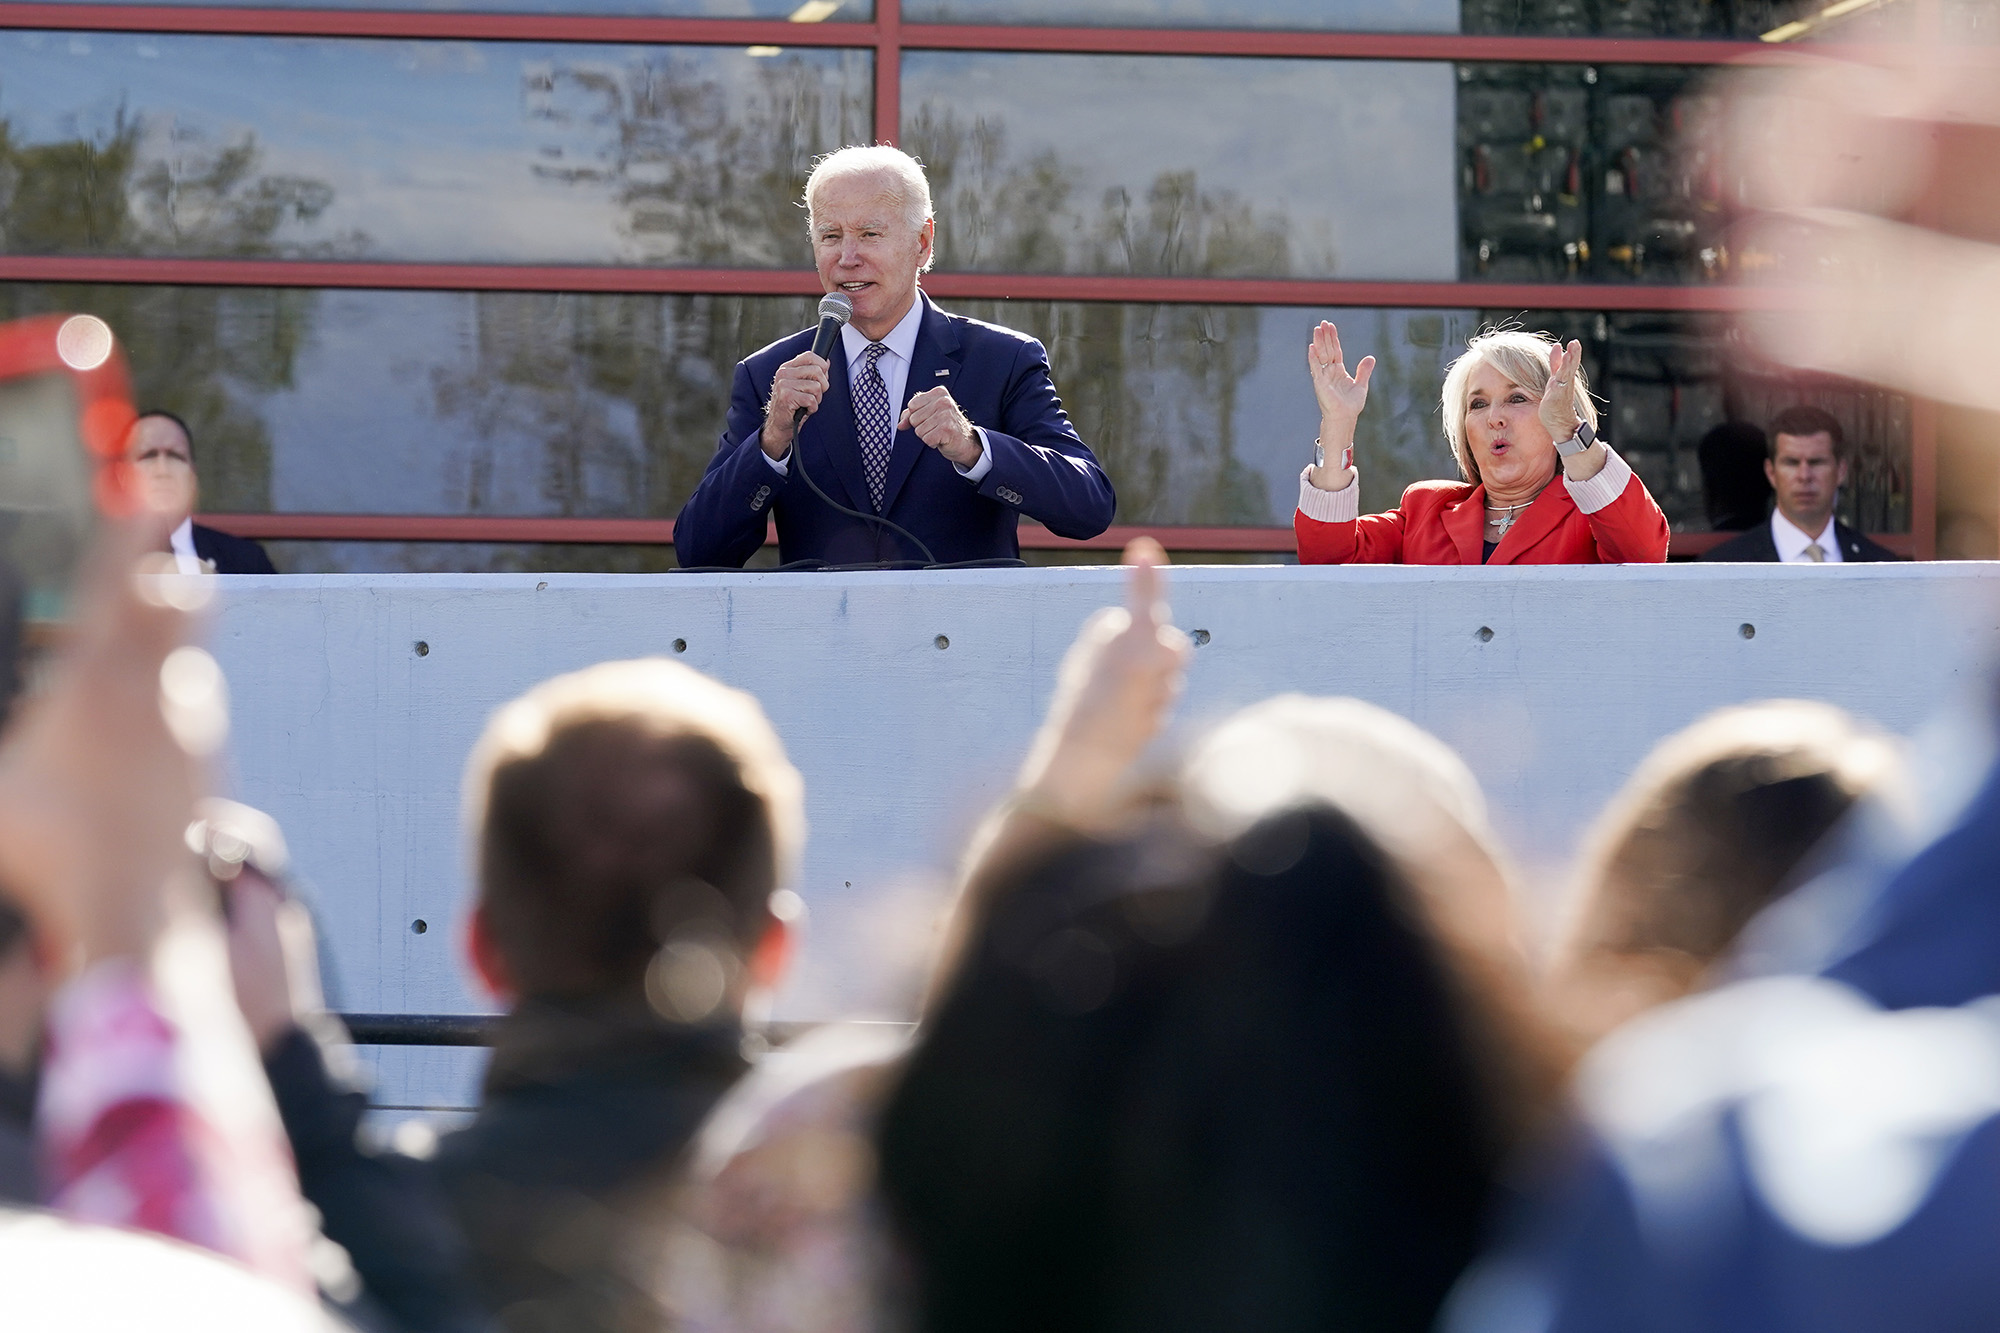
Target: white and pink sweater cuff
x=1606, y=486
x=1341, y=506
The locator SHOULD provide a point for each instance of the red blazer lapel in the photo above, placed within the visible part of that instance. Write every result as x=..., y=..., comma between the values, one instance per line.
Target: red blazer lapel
x=1537, y=521
x=1465, y=524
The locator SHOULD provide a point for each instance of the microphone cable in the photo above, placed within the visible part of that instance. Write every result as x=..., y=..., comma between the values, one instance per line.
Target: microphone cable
x=799, y=462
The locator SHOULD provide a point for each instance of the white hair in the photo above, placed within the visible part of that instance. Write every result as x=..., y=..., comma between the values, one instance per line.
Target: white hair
x=903, y=180
x=1523, y=358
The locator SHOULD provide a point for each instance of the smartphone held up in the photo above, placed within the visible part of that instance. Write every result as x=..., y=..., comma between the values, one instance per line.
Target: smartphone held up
x=65, y=409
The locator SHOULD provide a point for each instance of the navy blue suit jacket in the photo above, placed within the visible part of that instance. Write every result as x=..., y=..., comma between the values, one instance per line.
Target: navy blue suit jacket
x=1001, y=382
x=231, y=555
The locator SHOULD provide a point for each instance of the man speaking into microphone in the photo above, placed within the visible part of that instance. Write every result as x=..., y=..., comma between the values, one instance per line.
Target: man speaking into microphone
x=915, y=434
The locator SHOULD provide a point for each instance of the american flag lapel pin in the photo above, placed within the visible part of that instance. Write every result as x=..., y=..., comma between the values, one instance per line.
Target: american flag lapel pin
x=942, y=373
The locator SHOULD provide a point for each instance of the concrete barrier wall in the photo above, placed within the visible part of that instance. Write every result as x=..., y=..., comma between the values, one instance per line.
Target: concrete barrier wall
x=357, y=698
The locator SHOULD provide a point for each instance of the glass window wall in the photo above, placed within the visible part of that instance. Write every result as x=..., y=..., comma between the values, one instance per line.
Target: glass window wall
x=798, y=11
x=1202, y=166
x=446, y=152
x=1589, y=173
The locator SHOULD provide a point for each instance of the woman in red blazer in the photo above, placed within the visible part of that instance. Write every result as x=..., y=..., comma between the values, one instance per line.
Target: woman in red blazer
x=1517, y=410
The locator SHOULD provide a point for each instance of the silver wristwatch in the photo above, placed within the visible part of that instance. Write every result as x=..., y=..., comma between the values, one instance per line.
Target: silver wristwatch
x=1577, y=443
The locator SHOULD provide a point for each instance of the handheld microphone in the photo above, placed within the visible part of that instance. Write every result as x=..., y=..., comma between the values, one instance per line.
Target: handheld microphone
x=834, y=312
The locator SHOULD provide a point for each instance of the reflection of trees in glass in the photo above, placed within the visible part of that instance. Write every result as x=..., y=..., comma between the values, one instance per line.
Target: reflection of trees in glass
x=209, y=354
x=144, y=186
x=1152, y=388
x=205, y=353
x=708, y=165
x=1400, y=437
x=999, y=214
x=619, y=398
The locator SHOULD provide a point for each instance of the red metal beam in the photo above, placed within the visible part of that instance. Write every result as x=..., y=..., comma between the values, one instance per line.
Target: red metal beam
x=886, y=33
x=947, y=286
x=230, y=20
x=649, y=531
x=888, y=71
x=1329, y=45
x=660, y=531
x=405, y=277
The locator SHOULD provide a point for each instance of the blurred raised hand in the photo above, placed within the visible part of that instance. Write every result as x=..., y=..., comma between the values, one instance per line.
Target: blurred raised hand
x=97, y=782
x=1113, y=694
x=1877, y=190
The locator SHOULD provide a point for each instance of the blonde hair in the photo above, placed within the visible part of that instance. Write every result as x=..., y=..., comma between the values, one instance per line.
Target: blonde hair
x=904, y=182
x=1712, y=827
x=1523, y=358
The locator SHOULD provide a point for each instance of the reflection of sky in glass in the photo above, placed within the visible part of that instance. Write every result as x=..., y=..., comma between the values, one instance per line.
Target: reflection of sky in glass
x=1330, y=15
x=464, y=151
x=1304, y=168
x=848, y=10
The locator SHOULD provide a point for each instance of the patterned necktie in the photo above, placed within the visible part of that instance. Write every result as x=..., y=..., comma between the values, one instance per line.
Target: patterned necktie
x=1816, y=553
x=871, y=421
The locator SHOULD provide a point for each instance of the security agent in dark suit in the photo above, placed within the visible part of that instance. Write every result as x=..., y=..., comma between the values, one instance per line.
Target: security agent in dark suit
x=1806, y=466
x=947, y=427
x=161, y=449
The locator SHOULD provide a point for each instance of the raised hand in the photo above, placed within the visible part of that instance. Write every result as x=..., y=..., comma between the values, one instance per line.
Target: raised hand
x=1558, y=410
x=1117, y=684
x=800, y=383
x=1341, y=395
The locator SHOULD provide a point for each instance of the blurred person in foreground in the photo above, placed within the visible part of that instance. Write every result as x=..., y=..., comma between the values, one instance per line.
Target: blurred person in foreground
x=633, y=824
x=24, y=997
x=1518, y=413
x=151, y=1113
x=160, y=449
x=401, y=1265
x=947, y=426
x=1806, y=465
x=1814, y=1146
x=1200, y=1058
x=1715, y=824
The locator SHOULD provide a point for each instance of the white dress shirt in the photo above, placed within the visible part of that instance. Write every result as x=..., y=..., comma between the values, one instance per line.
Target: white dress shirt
x=1792, y=541
x=182, y=543
x=894, y=367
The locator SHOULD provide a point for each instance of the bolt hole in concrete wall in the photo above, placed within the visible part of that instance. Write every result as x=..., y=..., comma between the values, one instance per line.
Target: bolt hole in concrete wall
x=1199, y=638
x=419, y=926
x=1484, y=634
x=362, y=764
x=423, y=649
x=680, y=645
x=941, y=643
x=1747, y=630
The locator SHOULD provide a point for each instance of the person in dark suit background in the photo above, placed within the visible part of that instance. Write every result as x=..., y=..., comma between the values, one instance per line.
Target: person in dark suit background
x=160, y=449
x=943, y=425
x=1806, y=466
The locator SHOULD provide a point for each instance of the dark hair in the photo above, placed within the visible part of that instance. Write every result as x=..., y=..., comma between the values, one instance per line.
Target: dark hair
x=1735, y=493
x=608, y=842
x=165, y=415
x=1804, y=420
x=1183, y=1089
